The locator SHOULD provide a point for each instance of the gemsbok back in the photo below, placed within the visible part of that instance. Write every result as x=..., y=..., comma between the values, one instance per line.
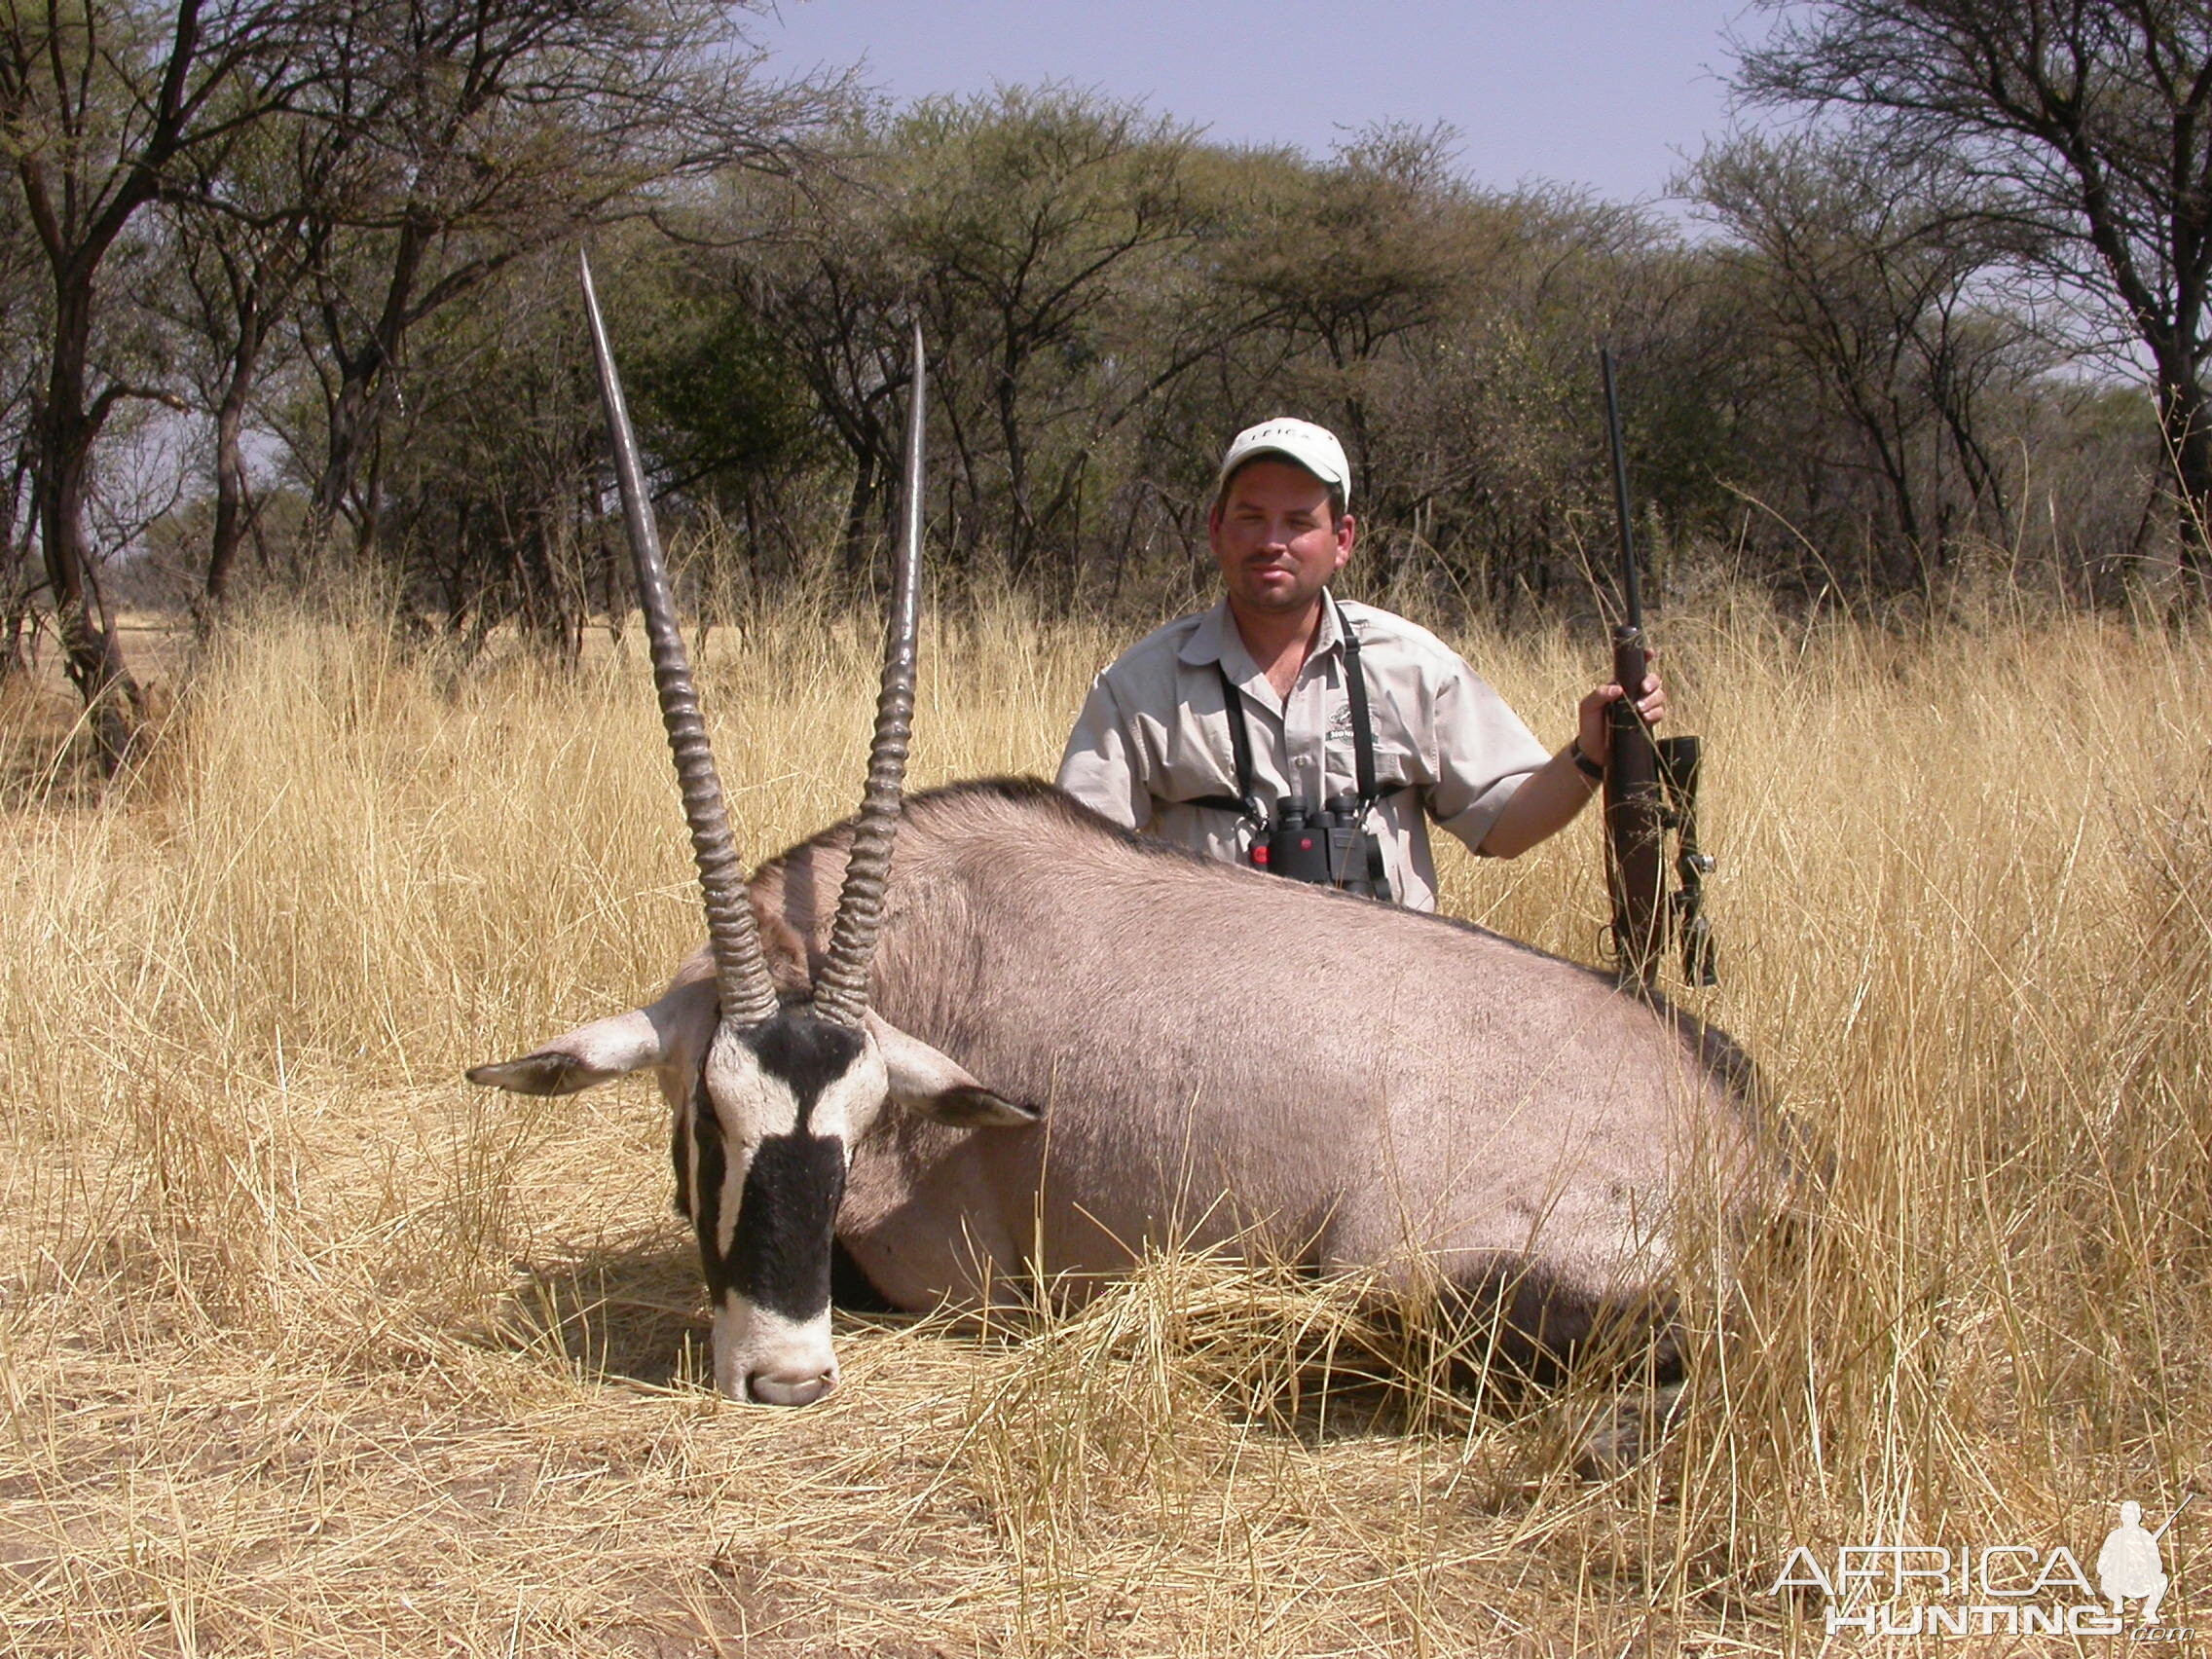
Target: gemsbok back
x=1033, y=1044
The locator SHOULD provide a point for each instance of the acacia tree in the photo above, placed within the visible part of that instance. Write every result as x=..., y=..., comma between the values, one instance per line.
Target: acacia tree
x=494, y=505
x=1371, y=276
x=1027, y=230
x=102, y=106
x=818, y=267
x=1354, y=256
x=1029, y=216
x=2093, y=118
x=496, y=128
x=1858, y=276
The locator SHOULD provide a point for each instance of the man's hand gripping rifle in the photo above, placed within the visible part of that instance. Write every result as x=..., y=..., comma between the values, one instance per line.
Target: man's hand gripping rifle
x=1650, y=788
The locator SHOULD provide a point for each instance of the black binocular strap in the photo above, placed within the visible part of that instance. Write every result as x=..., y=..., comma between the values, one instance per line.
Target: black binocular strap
x=1362, y=732
x=1247, y=802
x=1240, y=746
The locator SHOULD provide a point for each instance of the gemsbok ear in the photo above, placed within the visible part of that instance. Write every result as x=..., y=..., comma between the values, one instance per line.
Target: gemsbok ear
x=933, y=1085
x=591, y=1054
x=607, y=1048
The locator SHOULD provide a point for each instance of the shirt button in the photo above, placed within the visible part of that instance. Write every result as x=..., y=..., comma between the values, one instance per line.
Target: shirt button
x=1304, y=762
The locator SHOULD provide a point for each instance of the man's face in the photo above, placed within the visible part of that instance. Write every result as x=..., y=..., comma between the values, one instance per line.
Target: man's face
x=1274, y=538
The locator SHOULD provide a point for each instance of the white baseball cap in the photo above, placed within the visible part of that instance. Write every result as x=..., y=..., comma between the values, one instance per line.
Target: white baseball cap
x=1315, y=448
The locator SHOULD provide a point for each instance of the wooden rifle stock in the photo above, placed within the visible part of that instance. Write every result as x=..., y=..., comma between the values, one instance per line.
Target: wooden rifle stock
x=1634, y=822
x=1649, y=786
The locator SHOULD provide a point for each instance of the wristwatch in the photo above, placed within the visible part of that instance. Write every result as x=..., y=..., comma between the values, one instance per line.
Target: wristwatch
x=1588, y=767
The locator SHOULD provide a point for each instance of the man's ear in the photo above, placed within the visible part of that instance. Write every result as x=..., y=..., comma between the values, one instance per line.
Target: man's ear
x=933, y=1083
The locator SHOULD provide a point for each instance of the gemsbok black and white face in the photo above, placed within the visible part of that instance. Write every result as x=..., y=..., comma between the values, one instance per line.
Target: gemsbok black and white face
x=766, y=1117
x=760, y=1160
x=777, y=1108
x=771, y=1094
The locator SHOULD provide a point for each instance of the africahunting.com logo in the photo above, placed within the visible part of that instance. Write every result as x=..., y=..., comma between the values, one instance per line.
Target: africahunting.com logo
x=1992, y=1589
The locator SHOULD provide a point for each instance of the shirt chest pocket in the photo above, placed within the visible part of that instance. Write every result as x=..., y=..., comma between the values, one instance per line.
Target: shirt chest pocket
x=1198, y=762
x=1404, y=746
x=1401, y=754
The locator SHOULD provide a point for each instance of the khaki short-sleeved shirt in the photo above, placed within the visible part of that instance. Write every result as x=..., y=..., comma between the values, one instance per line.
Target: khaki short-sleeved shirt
x=1154, y=738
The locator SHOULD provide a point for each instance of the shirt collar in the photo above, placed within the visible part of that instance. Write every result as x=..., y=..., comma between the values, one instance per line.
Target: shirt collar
x=1216, y=639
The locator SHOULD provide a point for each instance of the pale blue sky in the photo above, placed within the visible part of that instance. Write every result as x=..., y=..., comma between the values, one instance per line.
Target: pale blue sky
x=1605, y=94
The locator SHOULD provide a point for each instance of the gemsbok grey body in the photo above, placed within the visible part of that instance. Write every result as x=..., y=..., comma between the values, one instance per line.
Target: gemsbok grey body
x=1025, y=1044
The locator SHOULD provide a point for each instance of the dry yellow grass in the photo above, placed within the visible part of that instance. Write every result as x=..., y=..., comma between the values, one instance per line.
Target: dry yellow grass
x=308, y=1347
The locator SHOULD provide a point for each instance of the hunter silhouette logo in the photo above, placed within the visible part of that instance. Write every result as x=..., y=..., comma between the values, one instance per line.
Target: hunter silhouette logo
x=1992, y=1589
x=2128, y=1568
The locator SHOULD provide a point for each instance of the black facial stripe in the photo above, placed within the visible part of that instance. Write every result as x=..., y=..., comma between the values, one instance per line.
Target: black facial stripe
x=806, y=1055
x=680, y=1146
x=780, y=1258
x=780, y=1248
x=711, y=1161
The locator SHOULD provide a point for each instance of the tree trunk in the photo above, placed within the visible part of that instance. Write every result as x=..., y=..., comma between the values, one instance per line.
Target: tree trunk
x=356, y=413
x=351, y=414
x=2186, y=426
x=14, y=558
x=231, y=508
x=66, y=430
x=859, y=517
x=1022, y=545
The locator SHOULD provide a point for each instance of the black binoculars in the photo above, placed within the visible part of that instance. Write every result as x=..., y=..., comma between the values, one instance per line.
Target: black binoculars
x=1328, y=849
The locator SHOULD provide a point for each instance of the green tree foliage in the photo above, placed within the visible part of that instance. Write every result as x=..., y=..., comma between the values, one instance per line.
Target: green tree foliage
x=493, y=499
x=496, y=128
x=1107, y=298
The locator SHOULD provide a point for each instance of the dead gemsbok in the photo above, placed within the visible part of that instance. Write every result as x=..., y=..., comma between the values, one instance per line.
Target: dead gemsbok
x=1033, y=1043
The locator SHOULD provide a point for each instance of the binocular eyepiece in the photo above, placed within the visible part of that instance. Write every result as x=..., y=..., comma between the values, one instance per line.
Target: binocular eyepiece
x=1330, y=849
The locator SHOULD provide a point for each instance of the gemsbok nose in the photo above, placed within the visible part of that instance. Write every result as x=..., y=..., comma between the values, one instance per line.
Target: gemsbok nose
x=780, y=1389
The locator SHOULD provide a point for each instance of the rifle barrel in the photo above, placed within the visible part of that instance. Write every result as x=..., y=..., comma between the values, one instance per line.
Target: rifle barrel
x=2185, y=1501
x=1631, y=599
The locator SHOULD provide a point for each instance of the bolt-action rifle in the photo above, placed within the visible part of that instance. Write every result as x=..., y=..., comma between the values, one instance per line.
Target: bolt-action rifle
x=1650, y=788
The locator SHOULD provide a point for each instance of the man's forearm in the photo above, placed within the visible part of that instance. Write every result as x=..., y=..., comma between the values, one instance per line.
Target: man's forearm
x=1541, y=807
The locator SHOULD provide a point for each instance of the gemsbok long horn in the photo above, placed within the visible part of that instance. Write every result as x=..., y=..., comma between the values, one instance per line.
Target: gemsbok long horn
x=840, y=988
x=741, y=970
